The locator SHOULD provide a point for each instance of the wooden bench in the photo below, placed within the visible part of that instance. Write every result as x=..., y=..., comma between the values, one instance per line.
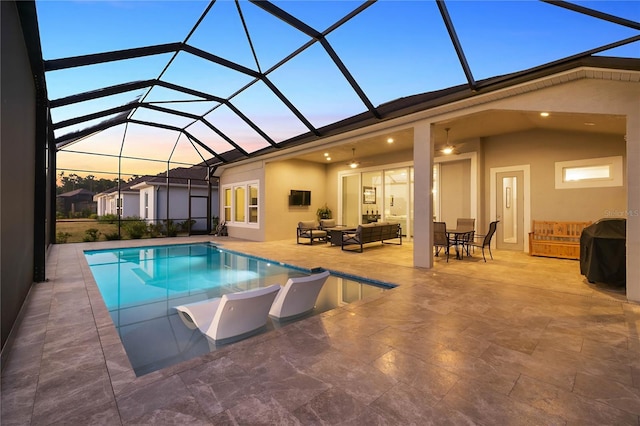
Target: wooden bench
x=372, y=232
x=556, y=239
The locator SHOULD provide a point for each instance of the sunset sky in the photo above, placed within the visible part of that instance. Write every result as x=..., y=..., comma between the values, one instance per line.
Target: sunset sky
x=393, y=49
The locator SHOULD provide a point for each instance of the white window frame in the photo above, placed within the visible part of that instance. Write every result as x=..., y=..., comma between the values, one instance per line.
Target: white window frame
x=615, y=178
x=247, y=203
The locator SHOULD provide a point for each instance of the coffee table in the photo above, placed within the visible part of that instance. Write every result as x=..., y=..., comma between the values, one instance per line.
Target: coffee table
x=335, y=234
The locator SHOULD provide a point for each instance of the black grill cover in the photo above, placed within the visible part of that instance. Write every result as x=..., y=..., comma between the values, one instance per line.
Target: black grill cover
x=603, y=251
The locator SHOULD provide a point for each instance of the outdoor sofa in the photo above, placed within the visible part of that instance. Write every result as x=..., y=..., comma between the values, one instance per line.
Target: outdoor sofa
x=370, y=233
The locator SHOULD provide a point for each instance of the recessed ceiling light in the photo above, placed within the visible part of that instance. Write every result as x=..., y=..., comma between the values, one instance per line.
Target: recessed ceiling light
x=544, y=114
x=390, y=140
x=328, y=158
x=326, y=154
x=588, y=123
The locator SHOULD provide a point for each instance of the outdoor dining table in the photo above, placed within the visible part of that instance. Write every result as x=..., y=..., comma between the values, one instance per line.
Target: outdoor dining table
x=457, y=237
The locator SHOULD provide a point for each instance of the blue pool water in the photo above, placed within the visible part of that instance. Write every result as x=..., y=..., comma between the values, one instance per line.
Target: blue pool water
x=140, y=287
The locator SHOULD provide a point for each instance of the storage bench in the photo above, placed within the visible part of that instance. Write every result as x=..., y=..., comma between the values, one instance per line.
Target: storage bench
x=556, y=239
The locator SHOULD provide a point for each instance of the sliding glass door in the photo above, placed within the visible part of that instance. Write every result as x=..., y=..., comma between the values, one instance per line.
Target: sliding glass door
x=378, y=195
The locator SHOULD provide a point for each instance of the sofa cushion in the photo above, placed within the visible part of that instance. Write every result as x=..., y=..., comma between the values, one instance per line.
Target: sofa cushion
x=327, y=223
x=309, y=224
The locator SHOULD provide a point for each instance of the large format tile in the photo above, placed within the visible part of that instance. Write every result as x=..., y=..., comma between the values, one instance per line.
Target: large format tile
x=516, y=340
x=572, y=407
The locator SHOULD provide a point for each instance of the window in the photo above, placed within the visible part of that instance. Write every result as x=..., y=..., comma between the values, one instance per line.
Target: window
x=253, y=203
x=227, y=204
x=240, y=203
x=119, y=205
x=589, y=173
x=146, y=205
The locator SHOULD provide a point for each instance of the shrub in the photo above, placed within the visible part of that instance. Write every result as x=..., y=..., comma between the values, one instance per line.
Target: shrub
x=91, y=235
x=184, y=226
x=62, y=237
x=60, y=215
x=110, y=236
x=108, y=218
x=171, y=230
x=93, y=216
x=135, y=227
x=155, y=229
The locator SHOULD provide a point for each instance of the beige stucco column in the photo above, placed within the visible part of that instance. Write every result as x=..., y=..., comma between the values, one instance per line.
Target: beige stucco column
x=422, y=204
x=633, y=204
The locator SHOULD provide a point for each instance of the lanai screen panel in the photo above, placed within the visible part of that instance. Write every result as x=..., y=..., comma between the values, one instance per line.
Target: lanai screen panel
x=261, y=73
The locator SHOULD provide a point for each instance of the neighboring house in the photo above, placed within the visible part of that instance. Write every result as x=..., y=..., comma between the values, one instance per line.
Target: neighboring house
x=76, y=201
x=187, y=193
x=511, y=162
x=146, y=197
x=124, y=202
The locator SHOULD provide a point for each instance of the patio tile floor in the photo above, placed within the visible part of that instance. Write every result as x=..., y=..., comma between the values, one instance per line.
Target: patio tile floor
x=516, y=340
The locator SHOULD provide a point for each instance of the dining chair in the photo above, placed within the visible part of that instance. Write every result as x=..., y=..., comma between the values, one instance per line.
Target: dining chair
x=485, y=239
x=440, y=238
x=466, y=224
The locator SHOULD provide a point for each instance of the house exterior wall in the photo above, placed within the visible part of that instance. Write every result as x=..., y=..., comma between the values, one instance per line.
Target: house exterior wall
x=101, y=204
x=283, y=176
x=17, y=178
x=178, y=204
x=541, y=149
x=130, y=204
x=603, y=97
x=565, y=95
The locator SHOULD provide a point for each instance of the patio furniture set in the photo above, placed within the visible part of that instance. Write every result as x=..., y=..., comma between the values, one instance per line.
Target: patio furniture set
x=463, y=238
x=348, y=238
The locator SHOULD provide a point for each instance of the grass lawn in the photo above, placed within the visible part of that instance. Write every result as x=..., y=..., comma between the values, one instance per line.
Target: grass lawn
x=77, y=228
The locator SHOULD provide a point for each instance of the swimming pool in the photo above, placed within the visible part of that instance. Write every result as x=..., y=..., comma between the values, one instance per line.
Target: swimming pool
x=140, y=287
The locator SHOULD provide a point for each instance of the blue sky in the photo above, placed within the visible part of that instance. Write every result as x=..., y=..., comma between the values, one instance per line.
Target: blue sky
x=393, y=49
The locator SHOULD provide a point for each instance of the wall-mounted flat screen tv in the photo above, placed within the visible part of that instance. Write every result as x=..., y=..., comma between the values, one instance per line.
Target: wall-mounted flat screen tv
x=299, y=198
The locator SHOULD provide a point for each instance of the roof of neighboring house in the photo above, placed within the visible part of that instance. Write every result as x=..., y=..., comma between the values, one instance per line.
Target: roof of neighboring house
x=179, y=176
x=75, y=193
x=125, y=186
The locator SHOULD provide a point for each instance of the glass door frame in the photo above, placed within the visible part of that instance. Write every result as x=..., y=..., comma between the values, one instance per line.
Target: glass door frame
x=381, y=168
x=526, y=169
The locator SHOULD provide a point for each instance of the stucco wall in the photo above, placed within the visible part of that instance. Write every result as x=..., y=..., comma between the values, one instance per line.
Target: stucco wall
x=281, y=178
x=541, y=149
x=17, y=171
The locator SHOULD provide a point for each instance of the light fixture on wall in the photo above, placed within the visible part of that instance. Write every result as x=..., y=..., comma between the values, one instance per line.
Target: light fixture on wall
x=448, y=149
x=353, y=164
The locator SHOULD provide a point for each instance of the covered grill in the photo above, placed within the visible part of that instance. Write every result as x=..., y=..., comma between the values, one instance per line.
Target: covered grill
x=603, y=252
